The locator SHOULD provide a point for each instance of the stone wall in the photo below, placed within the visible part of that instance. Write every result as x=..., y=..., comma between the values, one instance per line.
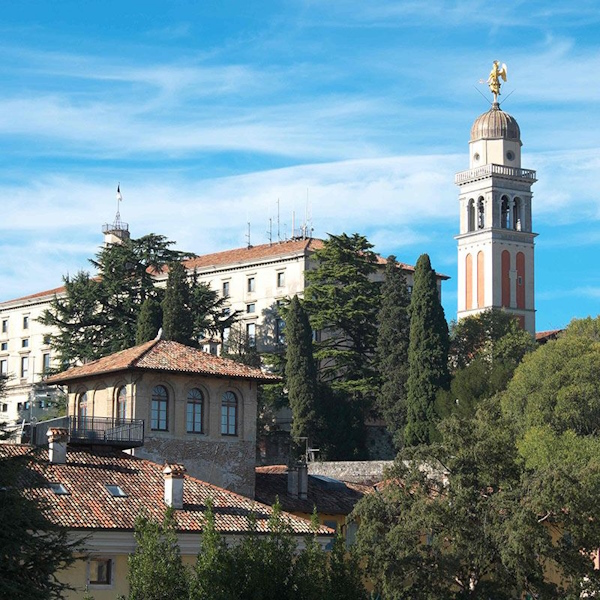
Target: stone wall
x=367, y=472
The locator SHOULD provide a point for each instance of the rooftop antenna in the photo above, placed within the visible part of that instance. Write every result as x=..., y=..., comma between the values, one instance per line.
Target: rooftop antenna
x=293, y=224
x=270, y=232
x=248, y=236
x=278, y=223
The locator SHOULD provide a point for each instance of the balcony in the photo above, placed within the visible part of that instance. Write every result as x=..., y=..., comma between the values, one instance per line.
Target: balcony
x=96, y=431
x=494, y=170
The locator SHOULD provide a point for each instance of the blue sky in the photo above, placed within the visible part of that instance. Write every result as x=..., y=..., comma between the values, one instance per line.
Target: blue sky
x=209, y=112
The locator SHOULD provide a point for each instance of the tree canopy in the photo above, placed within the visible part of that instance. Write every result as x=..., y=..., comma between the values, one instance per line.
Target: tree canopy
x=342, y=302
x=558, y=384
x=33, y=549
x=427, y=355
x=480, y=515
x=392, y=348
x=99, y=315
x=301, y=372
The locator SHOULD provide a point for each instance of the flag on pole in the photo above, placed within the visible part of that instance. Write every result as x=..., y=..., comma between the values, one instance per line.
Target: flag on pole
x=119, y=197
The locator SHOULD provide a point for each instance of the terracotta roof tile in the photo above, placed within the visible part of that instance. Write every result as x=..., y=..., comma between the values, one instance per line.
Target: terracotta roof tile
x=244, y=255
x=329, y=496
x=163, y=355
x=89, y=506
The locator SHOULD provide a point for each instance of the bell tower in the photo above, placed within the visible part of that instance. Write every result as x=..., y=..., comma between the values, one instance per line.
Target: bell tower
x=496, y=239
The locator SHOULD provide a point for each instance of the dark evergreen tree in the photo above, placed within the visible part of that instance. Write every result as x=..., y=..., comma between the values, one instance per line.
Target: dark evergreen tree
x=177, y=315
x=149, y=321
x=301, y=372
x=392, y=348
x=342, y=302
x=156, y=571
x=99, y=315
x=427, y=355
x=32, y=548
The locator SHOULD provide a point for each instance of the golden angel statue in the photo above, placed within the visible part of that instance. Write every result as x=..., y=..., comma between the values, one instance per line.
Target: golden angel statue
x=493, y=81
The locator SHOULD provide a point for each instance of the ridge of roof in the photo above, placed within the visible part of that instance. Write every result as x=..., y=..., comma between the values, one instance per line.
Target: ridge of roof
x=163, y=356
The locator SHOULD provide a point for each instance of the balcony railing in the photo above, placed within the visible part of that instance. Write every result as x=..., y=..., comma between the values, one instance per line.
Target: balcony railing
x=123, y=433
x=493, y=169
x=101, y=431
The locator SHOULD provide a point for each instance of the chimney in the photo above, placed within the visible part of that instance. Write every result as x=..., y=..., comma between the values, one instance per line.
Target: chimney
x=298, y=480
x=57, y=445
x=174, y=475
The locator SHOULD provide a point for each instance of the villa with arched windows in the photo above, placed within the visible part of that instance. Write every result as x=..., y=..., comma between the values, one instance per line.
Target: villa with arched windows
x=168, y=402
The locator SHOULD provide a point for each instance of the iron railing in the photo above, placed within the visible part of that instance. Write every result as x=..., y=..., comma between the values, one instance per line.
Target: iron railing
x=103, y=431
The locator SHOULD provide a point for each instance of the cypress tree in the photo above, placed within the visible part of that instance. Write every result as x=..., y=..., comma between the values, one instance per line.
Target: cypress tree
x=392, y=348
x=300, y=371
x=427, y=355
x=149, y=321
x=177, y=316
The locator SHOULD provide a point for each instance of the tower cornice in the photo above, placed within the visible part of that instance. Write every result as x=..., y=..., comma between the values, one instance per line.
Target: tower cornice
x=495, y=171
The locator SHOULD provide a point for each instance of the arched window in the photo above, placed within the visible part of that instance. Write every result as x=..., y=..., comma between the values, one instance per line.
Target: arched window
x=160, y=408
x=504, y=213
x=471, y=215
x=82, y=410
x=195, y=401
x=121, y=404
x=516, y=220
x=229, y=414
x=480, y=213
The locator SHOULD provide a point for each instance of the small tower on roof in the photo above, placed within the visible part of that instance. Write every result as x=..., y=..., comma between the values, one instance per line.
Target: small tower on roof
x=117, y=231
x=496, y=239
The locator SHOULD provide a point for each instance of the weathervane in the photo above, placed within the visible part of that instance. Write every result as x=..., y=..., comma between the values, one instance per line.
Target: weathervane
x=493, y=81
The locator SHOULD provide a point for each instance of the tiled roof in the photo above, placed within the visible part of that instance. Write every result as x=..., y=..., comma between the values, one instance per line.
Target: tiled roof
x=52, y=292
x=329, y=496
x=89, y=506
x=163, y=355
x=245, y=255
x=545, y=336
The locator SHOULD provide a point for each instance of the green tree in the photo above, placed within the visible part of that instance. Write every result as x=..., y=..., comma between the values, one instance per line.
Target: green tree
x=149, y=321
x=558, y=384
x=392, y=348
x=177, y=314
x=156, y=571
x=482, y=515
x=33, y=549
x=98, y=315
x=301, y=372
x=342, y=301
x=213, y=577
x=427, y=355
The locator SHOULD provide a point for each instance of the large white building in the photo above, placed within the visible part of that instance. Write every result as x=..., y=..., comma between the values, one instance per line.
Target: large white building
x=254, y=280
x=496, y=239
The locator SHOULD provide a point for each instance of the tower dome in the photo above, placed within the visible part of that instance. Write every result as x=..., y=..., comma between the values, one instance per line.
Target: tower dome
x=495, y=124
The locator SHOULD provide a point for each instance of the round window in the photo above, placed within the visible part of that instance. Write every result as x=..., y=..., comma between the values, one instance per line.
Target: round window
x=510, y=155
x=476, y=156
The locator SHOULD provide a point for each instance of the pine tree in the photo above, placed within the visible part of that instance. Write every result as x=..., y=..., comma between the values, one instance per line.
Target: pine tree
x=342, y=301
x=392, y=348
x=301, y=372
x=98, y=315
x=149, y=321
x=177, y=316
x=427, y=355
